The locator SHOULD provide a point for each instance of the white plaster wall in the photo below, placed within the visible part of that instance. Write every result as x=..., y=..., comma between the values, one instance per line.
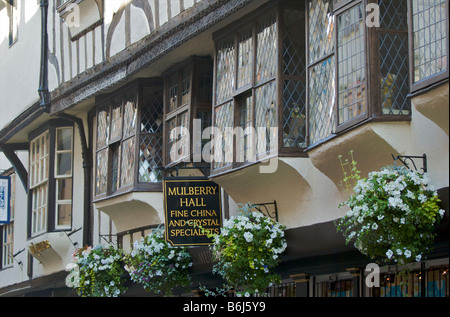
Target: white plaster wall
x=19, y=64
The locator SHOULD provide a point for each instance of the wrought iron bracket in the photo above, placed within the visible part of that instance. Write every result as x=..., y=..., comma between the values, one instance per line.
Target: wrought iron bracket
x=405, y=158
x=262, y=208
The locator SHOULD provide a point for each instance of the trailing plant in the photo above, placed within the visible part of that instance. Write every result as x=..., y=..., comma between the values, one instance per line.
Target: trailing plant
x=97, y=272
x=392, y=214
x=247, y=250
x=157, y=265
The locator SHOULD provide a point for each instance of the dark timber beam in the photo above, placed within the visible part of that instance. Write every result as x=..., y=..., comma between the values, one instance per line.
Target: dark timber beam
x=9, y=152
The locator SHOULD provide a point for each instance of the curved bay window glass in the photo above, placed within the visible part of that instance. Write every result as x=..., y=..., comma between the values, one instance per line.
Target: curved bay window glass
x=260, y=86
x=129, y=139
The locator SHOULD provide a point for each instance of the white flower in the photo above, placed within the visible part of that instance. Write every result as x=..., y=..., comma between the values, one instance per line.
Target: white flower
x=441, y=213
x=422, y=198
x=418, y=258
x=248, y=237
x=407, y=253
x=399, y=252
x=389, y=254
x=374, y=226
x=395, y=201
x=380, y=217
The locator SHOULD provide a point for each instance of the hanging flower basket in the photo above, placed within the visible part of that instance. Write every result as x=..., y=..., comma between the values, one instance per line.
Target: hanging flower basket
x=392, y=215
x=157, y=265
x=247, y=250
x=97, y=272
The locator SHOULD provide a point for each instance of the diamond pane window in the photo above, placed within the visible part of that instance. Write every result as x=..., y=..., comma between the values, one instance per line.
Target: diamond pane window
x=430, y=39
x=321, y=100
x=266, y=117
x=173, y=92
x=321, y=29
x=195, y=74
x=127, y=168
x=102, y=170
x=116, y=120
x=270, y=93
x=130, y=113
x=185, y=85
x=150, y=158
x=225, y=70
x=133, y=152
x=245, y=58
x=246, y=152
x=222, y=150
x=266, y=51
x=294, y=80
x=102, y=127
x=150, y=143
x=294, y=114
x=351, y=64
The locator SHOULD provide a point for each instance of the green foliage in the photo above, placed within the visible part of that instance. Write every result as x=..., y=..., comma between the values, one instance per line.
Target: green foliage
x=247, y=250
x=97, y=272
x=157, y=265
x=392, y=215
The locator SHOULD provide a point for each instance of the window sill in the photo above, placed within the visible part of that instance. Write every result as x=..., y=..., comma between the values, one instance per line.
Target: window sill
x=141, y=187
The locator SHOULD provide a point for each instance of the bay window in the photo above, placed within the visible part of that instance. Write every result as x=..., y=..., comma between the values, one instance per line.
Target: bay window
x=129, y=139
x=260, y=86
x=356, y=71
x=188, y=94
x=50, y=178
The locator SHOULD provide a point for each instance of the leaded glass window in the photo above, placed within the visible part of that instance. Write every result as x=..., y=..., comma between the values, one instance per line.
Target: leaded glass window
x=429, y=39
x=129, y=138
x=223, y=154
x=393, y=51
x=246, y=151
x=266, y=48
x=195, y=77
x=351, y=64
x=245, y=58
x=321, y=72
x=263, y=53
x=294, y=80
x=151, y=137
x=225, y=70
x=321, y=100
x=266, y=117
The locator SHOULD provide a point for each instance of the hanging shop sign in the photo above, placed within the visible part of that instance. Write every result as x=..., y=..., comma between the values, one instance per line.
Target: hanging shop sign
x=5, y=190
x=192, y=210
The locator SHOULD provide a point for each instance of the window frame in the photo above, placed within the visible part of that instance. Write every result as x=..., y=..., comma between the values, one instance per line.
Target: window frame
x=104, y=102
x=372, y=69
x=196, y=65
x=436, y=78
x=231, y=34
x=50, y=194
x=58, y=177
x=349, y=5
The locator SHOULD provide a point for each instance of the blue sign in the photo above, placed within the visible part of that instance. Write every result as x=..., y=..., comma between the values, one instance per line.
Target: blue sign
x=5, y=193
